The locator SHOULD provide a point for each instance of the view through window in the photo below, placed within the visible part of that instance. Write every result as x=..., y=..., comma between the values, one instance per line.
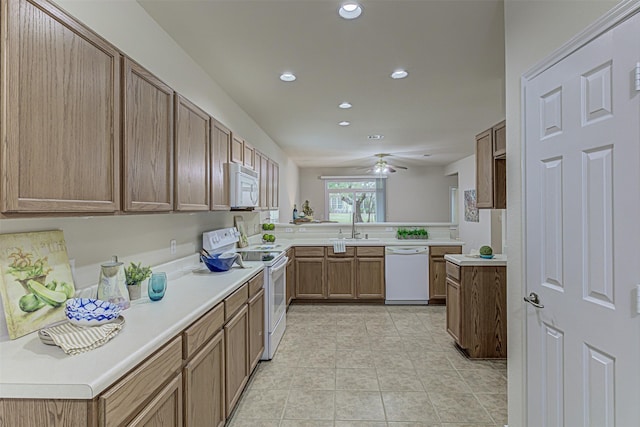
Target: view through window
x=364, y=197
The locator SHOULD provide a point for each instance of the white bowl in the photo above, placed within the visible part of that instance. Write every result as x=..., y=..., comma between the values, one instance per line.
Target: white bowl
x=90, y=311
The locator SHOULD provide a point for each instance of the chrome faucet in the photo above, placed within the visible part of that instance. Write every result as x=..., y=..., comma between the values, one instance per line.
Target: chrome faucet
x=354, y=235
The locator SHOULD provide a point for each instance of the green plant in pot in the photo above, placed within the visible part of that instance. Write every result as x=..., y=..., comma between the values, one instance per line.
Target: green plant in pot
x=136, y=274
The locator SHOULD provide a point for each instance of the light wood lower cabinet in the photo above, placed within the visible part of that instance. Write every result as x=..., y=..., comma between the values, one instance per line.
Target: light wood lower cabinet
x=437, y=272
x=341, y=278
x=47, y=412
x=310, y=282
x=165, y=410
x=236, y=357
x=477, y=309
x=256, y=329
x=123, y=401
x=370, y=278
x=204, y=402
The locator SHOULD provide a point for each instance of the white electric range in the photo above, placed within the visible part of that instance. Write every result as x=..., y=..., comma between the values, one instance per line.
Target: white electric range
x=275, y=286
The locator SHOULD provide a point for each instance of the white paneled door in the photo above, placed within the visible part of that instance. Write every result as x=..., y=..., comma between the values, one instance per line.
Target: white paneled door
x=582, y=204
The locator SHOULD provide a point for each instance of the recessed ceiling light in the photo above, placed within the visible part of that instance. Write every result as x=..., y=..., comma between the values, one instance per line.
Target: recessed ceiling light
x=345, y=105
x=344, y=123
x=350, y=10
x=287, y=77
x=399, y=74
x=376, y=136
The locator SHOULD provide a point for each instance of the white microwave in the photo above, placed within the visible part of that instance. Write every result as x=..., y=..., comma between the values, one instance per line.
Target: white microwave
x=244, y=186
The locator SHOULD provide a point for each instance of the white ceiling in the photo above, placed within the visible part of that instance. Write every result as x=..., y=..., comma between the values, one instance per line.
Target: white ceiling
x=453, y=50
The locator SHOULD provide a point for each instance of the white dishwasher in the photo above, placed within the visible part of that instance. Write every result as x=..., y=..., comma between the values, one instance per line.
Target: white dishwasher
x=406, y=274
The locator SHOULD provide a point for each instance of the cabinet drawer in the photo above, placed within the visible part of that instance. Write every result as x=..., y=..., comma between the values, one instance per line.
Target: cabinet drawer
x=202, y=330
x=350, y=251
x=453, y=271
x=309, y=251
x=122, y=400
x=370, y=250
x=443, y=250
x=255, y=283
x=234, y=301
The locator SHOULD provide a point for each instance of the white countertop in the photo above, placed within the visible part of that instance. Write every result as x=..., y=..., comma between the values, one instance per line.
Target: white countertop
x=286, y=244
x=31, y=369
x=467, y=260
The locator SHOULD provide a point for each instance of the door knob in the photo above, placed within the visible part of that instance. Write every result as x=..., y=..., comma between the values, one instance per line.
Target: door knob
x=534, y=300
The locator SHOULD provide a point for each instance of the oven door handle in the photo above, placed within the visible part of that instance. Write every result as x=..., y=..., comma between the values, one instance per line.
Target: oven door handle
x=282, y=264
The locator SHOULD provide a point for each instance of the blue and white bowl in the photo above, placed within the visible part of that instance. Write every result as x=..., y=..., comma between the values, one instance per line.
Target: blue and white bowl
x=90, y=311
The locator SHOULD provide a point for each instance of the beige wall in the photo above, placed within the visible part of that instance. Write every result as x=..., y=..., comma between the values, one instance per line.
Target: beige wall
x=473, y=234
x=533, y=29
x=420, y=194
x=92, y=240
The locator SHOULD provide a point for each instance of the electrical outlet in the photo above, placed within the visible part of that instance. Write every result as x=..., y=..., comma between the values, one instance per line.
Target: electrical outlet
x=288, y=230
x=172, y=246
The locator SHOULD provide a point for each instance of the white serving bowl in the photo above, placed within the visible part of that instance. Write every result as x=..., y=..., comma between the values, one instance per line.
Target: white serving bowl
x=90, y=311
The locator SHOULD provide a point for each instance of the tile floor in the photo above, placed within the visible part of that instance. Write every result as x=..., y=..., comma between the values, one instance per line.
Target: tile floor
x=372, y=365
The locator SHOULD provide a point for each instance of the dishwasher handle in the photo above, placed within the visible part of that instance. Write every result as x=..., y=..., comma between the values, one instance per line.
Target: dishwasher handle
x=406, y=251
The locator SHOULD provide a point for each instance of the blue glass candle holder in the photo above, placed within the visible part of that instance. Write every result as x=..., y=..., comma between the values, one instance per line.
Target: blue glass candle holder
x=157, y=286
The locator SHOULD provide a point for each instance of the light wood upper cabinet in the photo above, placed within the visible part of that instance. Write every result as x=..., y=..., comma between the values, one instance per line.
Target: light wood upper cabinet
x=148, y=141
x=500, y=139
x=265, y=187
x=274, y=179
x=192, y=157
x=491, y=168
x=237, y=150
x=249, y=155
x=61, y=125
x=221, y=141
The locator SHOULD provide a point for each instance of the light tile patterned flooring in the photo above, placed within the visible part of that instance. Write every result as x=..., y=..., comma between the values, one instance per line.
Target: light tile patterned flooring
x=372, y=365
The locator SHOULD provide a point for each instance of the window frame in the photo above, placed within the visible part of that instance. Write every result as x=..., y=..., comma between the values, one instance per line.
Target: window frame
x=379, y=190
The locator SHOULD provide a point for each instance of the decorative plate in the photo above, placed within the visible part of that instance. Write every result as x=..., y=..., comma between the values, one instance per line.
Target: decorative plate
x=90, y=311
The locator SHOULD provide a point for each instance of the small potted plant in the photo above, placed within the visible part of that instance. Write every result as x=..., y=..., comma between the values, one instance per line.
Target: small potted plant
x=136, y=274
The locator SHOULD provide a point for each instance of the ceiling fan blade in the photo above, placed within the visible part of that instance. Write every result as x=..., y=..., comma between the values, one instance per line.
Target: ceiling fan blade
x=390, y=169
x=400, y=167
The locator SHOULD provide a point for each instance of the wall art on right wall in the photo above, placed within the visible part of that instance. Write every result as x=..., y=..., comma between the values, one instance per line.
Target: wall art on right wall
x=470, y=209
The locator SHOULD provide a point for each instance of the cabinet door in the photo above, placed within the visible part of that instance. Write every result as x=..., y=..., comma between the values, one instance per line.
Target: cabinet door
x=454, y=310
x=148, y=141
x=236, y=361
x=341, y=278
x=370, y=278
x=249, y=155
x=192, y=157
x=310, y=278
x=484, y=170
x=500, y=139
x=165, y=410
x=274, y=178
x=265, y=183
x=61, y=116
x=221, y=140
x=237, y=149
x=291, y=277
x=204, y=386
x=438, y=272
x=256, y=329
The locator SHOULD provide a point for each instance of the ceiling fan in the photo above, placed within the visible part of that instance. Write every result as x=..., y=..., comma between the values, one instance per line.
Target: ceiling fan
x=381, y=166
